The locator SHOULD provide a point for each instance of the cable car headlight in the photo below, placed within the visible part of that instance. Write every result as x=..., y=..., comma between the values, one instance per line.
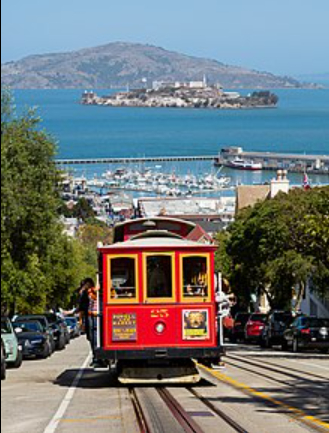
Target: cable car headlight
x=160, y=328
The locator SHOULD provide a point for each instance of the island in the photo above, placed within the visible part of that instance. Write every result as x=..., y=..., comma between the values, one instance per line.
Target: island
x=196, y=94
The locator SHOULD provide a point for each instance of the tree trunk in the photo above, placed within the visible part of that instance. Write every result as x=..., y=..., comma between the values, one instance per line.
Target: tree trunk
x=300, y=297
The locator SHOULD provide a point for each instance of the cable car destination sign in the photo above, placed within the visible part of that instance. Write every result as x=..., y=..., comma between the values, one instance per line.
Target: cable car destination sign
x=124, y=327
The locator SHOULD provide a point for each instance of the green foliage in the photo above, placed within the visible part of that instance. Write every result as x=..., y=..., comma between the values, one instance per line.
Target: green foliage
x=278, y=246
x=40, y=266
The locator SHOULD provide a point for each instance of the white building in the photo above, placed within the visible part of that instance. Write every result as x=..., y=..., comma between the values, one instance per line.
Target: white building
x=312, y=305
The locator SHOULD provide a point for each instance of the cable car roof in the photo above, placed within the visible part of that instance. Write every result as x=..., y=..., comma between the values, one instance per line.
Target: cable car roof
x=131, y=228
x=173, y=243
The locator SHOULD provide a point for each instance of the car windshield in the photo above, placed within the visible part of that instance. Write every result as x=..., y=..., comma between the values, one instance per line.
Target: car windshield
x=312, y=322
x=5, y=327
x=28, y=326
x=258, y=317
x=41, y=319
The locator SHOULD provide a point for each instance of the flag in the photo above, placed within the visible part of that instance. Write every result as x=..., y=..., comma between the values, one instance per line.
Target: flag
x=306, y=182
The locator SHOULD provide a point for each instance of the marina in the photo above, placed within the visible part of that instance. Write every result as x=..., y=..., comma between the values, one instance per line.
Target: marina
x=154, y=181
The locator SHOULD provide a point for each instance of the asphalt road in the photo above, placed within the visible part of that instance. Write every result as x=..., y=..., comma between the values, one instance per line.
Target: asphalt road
x=266, y=392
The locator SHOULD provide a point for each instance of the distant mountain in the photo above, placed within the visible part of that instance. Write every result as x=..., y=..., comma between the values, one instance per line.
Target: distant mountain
x=117, y=64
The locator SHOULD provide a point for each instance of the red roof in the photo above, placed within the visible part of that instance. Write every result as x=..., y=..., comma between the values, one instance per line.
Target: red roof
x=198, y=234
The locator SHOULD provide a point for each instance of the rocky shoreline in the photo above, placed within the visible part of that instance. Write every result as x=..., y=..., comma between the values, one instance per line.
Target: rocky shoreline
x=209, y=97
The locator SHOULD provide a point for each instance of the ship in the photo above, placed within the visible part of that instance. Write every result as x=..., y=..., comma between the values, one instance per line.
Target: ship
x=242, y=164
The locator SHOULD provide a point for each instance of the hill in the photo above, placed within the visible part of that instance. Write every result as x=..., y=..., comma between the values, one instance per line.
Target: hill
x=116, y=64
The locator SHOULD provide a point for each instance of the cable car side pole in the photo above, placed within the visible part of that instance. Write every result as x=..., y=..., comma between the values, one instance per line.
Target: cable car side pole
x=98, y=313
x=220, y=295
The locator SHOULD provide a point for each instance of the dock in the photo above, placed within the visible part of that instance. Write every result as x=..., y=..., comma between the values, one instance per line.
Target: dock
x=294, y=163
x=134, y=160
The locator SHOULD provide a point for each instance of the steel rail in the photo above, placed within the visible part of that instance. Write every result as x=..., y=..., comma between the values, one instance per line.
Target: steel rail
x=271, y=378
x=314, y=375
x=140, y=415
x=278, y=369
x=295, y=413
x=218, y=411
x=180, y=414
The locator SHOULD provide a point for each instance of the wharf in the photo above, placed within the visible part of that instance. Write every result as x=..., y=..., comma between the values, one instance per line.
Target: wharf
x=137, y=160
x=318, y=164
x=292, y=162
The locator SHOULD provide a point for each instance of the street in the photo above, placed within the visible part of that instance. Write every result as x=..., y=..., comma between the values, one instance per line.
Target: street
x=257, y=391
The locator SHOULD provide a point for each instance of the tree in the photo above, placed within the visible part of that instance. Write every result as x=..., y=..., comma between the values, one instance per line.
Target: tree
x=39, y=265
x=280, y=245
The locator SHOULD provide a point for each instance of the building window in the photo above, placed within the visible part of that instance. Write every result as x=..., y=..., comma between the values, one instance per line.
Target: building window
x=159, y=271
x=123, y=278
x=195, y=277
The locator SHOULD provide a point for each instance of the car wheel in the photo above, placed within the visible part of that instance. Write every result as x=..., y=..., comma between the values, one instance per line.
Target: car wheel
x=295, y=345
x=61, y=343
x=46, y=352
x=284, y=345
x=19, y=360
x=3, y=371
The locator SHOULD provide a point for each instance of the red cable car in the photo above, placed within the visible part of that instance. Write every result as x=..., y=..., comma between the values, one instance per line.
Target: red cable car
x=158, y=306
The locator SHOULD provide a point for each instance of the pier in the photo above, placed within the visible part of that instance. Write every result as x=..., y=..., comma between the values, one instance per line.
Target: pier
x=136, y=160
x=292, y=162
x=318, y=164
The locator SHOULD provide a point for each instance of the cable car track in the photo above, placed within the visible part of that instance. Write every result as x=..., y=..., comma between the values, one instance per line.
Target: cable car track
x=218, y=412
x=139, y=412
x=180, y=414
x=184, y=419
x=274, y=370
x=279, y=369
x=314, y=375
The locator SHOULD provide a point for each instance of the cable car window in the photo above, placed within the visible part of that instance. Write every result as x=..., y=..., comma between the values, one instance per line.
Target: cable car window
x=159, y=277
x=123, y=278
x=195, y=276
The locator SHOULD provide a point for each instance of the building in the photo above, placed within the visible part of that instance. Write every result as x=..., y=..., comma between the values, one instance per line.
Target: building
x=211, y=214
x=299, y=163
x=315, y=305
x=249, y=195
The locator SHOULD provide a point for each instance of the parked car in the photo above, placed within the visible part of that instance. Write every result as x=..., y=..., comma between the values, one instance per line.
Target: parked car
x=307, y=333
x=240, y=321
x=61, y=332
x=13, y=348
x=255, y=326
x=73, y=326
x=277, y=323
x=45, y=327
x=3, y=361
x=35, y=340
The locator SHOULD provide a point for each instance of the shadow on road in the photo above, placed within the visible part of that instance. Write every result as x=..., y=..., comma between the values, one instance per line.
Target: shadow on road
x=97, y=380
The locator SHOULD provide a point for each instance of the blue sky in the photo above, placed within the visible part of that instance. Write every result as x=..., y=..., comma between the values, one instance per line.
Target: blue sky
x=281, y=36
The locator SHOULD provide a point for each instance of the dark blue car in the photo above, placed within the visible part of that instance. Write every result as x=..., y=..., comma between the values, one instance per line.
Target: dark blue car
x=33, y=339
x=307, y=333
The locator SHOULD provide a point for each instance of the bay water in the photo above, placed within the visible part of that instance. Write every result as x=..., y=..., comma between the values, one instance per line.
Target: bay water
x=300, y=124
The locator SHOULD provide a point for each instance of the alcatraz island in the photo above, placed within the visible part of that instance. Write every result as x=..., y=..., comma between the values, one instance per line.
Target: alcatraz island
x=193, y=94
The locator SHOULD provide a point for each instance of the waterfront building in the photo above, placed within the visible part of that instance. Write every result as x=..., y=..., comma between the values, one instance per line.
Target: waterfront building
x=274, y=161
